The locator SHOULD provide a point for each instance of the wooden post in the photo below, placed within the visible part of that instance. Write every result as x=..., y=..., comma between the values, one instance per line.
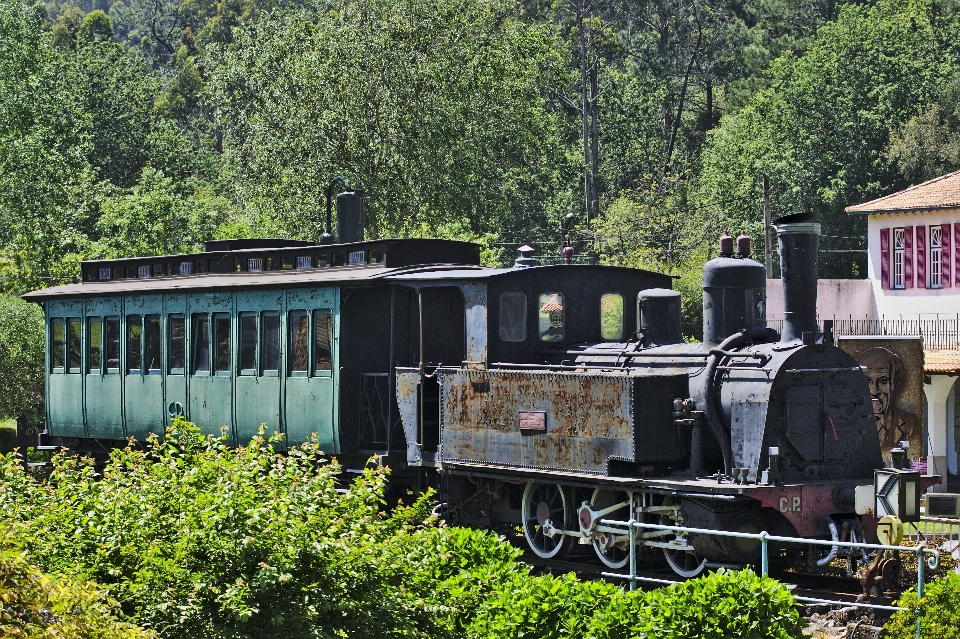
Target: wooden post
x=767, y=240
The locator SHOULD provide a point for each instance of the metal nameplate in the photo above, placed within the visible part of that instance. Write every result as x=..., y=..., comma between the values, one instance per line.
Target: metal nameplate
x=535, y=420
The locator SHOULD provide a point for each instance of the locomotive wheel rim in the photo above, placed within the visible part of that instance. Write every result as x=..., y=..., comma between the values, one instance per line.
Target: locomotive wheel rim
x=617, y=555
x=536, y=496
x=685, y=564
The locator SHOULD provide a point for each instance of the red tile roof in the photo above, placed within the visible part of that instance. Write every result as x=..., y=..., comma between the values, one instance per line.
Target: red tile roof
x=938, y=193
x=941, y=362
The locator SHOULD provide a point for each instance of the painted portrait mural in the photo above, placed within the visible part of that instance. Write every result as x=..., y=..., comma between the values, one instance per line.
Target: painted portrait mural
x=894, y=370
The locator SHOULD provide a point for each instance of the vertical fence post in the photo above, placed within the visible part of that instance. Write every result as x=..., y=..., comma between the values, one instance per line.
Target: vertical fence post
x=921, y=566
x=764, y=557
x=633, y=555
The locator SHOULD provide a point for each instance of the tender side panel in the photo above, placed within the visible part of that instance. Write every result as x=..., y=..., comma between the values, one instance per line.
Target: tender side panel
x=562, y=421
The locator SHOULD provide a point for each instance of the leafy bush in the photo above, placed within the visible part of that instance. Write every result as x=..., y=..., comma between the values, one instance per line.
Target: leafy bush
x=720, y=605
x=196, y=539
x=938, y=609
x=37, y=605
x=21, y=358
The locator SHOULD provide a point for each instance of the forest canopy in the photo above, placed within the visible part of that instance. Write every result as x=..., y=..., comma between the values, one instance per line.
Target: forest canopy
x=135, y=127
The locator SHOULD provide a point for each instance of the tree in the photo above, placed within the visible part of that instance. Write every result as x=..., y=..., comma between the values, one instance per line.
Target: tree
x=21, y=359
x=822, y=127
x=436, y=109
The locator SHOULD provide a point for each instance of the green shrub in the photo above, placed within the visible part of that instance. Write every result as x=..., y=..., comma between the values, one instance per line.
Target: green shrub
x=938, y=609
x=36, y=605
x=720, y=605
x=196, y=539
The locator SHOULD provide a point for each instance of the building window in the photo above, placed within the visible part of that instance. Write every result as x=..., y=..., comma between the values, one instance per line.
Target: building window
x=186, y=268
x=144, y=271
x=255, y=264
x=105, y=273
x=304, y=261
x=936, y=254
x=898, y=253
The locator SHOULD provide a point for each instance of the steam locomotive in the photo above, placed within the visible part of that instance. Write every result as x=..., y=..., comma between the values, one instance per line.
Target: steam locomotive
x=545, y=396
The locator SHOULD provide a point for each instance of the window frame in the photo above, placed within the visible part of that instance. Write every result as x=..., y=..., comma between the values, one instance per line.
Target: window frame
x=127, y=337
x=197, y=339
x=227, y=370
x=241, y=316
x=89, y=367
x=936, y=257
x=623, y=316
x=171, y=369
x=305, y=372
x=261, y=337
x=523, y=317
x=315, y=326
x=62, y=323
x=74, y=360
x=898, y=254
x=147, y=320
x=116, y=322
x=541, y=333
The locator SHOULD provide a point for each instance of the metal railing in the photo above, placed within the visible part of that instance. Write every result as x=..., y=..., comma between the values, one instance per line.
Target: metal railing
x=932, y=560
x=944, y=532
x=941, y=333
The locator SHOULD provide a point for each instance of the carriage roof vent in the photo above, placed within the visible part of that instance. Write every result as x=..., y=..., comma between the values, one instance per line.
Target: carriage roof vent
x=526, y=259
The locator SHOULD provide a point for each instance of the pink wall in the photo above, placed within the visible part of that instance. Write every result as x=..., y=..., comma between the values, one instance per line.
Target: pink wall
x=835, y=298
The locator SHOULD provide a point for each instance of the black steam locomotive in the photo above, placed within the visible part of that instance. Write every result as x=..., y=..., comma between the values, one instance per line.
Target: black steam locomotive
x=545, y=396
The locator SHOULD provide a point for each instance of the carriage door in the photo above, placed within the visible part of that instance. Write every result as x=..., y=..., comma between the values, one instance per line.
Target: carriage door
x=142, y=368
x=175, y=357
x=65, y=381
x=258, y=363
x=311, y=335
x=103, y=379
x=211, y=338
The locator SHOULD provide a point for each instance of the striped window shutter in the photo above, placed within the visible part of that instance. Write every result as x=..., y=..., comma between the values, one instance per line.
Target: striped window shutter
x=908, y=257
x=884, y=258
x=921, y=256
x=945, y=255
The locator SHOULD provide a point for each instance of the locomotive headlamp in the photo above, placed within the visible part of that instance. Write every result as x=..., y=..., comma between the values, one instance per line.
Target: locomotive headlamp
x=897, y=493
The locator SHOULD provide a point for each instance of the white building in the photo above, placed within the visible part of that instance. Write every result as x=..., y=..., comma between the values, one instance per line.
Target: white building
x=913, y=242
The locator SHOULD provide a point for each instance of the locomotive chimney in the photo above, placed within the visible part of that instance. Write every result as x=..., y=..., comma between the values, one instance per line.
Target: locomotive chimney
x=798, y=237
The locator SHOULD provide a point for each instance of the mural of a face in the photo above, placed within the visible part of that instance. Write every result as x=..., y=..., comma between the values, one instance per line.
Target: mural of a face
x=884, y=371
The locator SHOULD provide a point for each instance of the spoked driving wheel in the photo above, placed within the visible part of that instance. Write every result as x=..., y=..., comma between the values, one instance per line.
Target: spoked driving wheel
x=545, y=515
x=613, y=548
x=682, y=558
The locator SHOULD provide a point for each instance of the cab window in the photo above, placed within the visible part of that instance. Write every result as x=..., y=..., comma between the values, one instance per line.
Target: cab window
x=513, y=317
x=611, y=316
x=551, y=317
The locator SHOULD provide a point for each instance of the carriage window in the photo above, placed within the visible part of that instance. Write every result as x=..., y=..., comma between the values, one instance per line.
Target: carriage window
x=58, y=340
x=200, y=338
x=113, y=344
x=248, y=344
x=221, y=335
x=611, y=316
x=134, y=345
x=74, y=334
x=299, y=341
x=550, y=322
x=270, y=324
x=152, y=343
x=513, y=317
x=322, y=341
x=177, y=344
x=94, y=344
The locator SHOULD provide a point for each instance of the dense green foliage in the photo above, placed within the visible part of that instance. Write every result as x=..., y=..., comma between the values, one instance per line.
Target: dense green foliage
x=938, y=611
x=40, y=606
x=21, y=359
x=196, y=539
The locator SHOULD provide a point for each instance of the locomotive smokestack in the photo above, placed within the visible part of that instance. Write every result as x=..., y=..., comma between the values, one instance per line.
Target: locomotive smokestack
x=798, y=237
